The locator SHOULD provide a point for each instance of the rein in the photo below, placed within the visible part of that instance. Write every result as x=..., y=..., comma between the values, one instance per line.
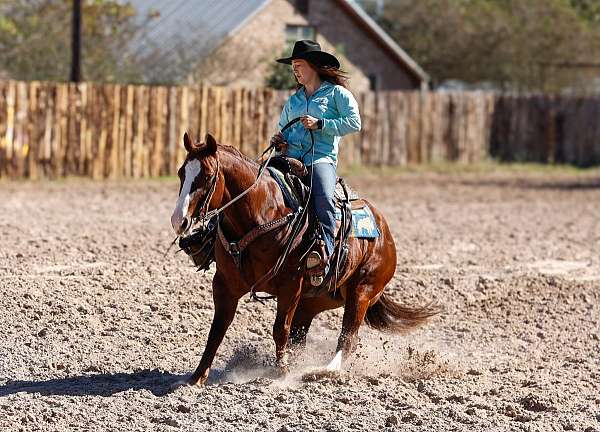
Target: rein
x=297, y=221
x=206, y=216
x=209, y=215
x=293, y=240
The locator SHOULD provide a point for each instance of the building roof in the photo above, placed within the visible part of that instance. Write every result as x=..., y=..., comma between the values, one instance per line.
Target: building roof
x=192, y=29
x=383, y=38
x=183, y=30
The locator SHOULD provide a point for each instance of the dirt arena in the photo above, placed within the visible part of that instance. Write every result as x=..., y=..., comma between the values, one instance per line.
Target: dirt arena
x=97, y=326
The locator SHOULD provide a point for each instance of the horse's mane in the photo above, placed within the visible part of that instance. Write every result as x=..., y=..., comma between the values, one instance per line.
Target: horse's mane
x=236, y=152
x=199, y=148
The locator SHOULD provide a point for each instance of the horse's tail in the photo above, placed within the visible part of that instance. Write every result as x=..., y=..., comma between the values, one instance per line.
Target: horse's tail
x=387, y=315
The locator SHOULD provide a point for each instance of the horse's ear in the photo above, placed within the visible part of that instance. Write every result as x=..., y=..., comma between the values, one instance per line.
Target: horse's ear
x=187, y=142
x=211, y=144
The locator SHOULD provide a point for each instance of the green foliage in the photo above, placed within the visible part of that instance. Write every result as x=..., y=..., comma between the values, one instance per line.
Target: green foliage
x=512, y=44
x=35, y=40
x=281, y=76
x=589, y=10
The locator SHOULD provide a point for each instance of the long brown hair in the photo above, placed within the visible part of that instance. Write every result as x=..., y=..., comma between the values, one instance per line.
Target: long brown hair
x=328, y=73
x=333, y=75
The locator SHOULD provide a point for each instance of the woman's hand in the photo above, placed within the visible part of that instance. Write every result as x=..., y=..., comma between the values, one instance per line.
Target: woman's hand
x=309, y=122
x=279, y=142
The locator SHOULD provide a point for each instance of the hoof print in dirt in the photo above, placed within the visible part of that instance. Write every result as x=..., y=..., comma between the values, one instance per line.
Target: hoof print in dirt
x=412, y=418
x=516, y=414
x=185, y=409
x=169, y=421
x=533, y=403
x=391, y=421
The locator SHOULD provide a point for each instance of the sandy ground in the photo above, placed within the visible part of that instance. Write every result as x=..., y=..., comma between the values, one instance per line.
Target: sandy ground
x=97, y=326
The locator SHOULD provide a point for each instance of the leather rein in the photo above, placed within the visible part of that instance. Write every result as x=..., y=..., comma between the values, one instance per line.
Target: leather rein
x=235, y=249
x=204, y=215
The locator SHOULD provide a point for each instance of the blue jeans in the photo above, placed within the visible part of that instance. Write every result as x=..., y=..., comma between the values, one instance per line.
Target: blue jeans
x=322, y=199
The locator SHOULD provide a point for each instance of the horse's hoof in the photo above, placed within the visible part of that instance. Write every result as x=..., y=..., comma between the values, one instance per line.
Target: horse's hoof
x=197, y=381
x=194, y=383
x=332, y=370
x=282, y=370
x=282, y=367
x=320, y=374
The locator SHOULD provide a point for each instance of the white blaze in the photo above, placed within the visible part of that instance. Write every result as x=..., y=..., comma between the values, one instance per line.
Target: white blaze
x=192, y=170
x=336, y=363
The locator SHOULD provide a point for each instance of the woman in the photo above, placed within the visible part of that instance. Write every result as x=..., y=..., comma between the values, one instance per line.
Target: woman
x=328, y=109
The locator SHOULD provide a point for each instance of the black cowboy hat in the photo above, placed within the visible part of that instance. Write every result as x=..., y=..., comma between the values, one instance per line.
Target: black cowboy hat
x=311, y=51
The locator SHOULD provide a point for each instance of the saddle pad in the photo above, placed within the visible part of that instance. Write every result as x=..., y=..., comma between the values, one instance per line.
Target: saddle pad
x=288, y=194
x=363, y=223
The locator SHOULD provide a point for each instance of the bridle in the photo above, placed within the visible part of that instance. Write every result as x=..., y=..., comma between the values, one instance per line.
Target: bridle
x=204, y=216
x=295, y=220
x=201, y=213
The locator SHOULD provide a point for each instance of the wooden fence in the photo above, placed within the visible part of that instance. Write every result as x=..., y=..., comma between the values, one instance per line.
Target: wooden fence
x=547, y=129
x=109, y=131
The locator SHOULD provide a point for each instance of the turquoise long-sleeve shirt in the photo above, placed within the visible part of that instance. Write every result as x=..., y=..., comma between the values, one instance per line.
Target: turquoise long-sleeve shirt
x=339, y=111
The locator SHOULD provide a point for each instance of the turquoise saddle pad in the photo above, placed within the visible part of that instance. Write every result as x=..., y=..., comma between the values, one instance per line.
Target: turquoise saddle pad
x=363, y=223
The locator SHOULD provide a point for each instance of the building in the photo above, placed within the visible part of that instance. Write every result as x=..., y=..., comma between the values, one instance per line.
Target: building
x=235, y=42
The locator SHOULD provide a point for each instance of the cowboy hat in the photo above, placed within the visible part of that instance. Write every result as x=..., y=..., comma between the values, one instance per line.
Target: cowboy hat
x=311, y=51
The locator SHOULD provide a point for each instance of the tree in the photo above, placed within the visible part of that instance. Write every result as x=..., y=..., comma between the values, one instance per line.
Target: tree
x=281, y=76
x=589, y=10
x=510, y=43
x=35, y=40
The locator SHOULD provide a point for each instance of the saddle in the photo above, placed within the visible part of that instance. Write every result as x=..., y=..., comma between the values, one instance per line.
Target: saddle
x=290, y=175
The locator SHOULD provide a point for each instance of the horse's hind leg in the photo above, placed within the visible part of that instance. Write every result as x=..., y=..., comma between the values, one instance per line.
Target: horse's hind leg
x=307, y=309
x=300, y=325
x=357, y=303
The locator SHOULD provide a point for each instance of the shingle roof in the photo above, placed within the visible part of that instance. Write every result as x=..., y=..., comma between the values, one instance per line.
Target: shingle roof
x=187, y=29
x=191, y=29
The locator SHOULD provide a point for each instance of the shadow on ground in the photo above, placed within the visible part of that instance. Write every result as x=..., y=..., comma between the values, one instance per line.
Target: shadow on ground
x=245, y=364
x=159, y=383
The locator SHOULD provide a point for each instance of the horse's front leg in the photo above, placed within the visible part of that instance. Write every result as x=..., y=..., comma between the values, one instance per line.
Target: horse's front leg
x=286, y=307
x=225, y=305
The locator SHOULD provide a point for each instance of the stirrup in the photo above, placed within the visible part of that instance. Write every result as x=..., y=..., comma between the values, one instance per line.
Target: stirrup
x=314, y=260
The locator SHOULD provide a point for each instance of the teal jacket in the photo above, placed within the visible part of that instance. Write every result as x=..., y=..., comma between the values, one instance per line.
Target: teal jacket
x=339, y=111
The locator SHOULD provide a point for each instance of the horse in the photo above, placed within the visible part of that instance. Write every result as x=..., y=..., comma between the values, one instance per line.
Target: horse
x=212, y=176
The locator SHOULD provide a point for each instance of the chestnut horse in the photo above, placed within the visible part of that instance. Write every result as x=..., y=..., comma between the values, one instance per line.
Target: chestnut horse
x=223, y=172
